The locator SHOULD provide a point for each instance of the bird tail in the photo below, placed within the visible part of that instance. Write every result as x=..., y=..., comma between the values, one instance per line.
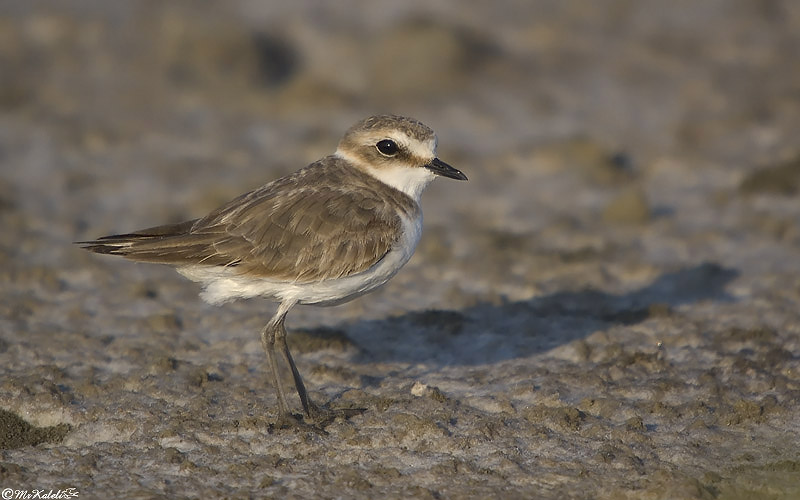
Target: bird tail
x=160, y=244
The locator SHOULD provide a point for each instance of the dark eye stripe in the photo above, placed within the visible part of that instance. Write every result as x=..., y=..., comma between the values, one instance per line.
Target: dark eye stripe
x=387, y=147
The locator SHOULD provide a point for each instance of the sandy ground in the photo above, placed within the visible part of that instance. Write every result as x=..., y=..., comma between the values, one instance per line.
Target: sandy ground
x=609, y=308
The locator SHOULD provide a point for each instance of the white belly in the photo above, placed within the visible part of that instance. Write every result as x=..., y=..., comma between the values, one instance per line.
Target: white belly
x=223, y=284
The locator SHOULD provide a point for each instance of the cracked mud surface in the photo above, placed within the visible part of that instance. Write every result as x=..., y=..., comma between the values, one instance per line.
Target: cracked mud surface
x=609, y=308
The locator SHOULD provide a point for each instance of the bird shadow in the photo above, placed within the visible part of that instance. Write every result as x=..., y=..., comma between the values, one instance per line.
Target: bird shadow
x=490, y=333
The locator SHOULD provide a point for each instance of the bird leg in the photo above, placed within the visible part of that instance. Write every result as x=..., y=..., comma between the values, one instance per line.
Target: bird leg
x=280, y=340
x=275, y=334
x=268, y=342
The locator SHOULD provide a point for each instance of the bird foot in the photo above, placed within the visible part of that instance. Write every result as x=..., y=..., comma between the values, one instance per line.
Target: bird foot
x=317, y=419
x=325, y=415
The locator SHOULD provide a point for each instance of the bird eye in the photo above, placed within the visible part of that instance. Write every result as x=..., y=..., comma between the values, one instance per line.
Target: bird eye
x=387, y=147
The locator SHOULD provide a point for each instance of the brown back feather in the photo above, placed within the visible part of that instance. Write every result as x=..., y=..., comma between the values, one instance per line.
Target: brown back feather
x=328, y=220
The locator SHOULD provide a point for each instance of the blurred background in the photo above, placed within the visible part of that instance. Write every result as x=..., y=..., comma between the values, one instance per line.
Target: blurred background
x=634, y=174
x=569, y=117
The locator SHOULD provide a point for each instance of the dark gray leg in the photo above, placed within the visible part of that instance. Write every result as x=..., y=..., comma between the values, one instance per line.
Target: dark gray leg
x=268, y=342
x=280, y=340
x=274, y=334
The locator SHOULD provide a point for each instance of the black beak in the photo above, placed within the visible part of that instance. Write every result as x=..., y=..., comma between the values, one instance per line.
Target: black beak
x=439, y=167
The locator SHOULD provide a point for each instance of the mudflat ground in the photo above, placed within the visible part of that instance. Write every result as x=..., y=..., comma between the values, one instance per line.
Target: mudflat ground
x=609, y=308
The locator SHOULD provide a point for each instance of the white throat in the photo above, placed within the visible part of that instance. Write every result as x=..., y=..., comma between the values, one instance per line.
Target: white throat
x=410, y=180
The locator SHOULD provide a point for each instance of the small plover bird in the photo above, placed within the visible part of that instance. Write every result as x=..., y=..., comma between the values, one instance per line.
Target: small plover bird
x=326, y=234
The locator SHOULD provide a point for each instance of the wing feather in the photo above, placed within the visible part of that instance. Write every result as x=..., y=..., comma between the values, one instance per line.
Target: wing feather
x=325, y=221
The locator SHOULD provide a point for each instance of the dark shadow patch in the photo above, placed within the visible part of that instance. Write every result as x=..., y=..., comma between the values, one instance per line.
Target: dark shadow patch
x=17, y=433
x=782, y=179
x=450, y=322
x=488, y=333
x=276, y=59
x=305, y=340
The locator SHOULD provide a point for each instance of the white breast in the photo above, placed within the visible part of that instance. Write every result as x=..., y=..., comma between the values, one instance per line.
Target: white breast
x=224, y=284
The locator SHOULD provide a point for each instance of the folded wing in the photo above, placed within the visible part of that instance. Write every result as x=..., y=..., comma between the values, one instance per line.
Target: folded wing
x=294, y=229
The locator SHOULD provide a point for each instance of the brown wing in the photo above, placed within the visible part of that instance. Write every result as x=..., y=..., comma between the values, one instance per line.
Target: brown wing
x=308, y=226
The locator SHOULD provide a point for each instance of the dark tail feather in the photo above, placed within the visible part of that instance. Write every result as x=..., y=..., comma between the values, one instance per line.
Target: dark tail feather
x=125, y=244
x=173, y=244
